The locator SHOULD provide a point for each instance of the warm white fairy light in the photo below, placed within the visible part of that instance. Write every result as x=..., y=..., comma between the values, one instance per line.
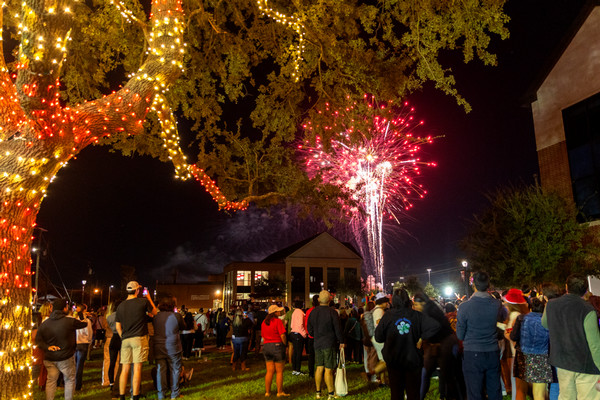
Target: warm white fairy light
x=293, y=22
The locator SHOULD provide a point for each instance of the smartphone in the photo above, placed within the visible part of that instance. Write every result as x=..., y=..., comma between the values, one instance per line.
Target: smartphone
x=145, y=292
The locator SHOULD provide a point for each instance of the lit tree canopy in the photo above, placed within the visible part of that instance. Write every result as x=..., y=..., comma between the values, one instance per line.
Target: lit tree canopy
x=240, y=74
x=529, y=236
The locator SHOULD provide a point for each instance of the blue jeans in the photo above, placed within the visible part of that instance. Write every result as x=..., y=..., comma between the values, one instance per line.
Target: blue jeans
x=172, y=366
x=240, y=348
x=80, y=356
x=54, y=368
x=481, y=370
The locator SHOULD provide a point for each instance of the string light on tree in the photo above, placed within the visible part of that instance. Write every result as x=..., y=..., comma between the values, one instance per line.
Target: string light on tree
x=376, y=166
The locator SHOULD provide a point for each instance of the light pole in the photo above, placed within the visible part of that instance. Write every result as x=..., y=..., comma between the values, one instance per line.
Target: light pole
x=465, y=264
x=429, y=273
x=109, y=288
x=83, y=282
x=101, y=293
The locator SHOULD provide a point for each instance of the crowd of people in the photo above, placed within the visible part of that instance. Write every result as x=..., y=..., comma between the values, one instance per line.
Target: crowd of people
x=492, y=344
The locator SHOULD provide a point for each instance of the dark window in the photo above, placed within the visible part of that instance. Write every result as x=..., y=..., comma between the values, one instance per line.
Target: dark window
x=582, y=132
x=333, y=278
x=298, y=286
x=316, y=279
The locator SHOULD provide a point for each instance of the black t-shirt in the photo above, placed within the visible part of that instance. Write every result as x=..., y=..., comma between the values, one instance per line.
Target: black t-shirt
x=133, y=318
x=243, y=329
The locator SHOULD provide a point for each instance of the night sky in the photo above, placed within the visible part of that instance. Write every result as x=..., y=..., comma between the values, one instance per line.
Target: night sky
x=105, y=210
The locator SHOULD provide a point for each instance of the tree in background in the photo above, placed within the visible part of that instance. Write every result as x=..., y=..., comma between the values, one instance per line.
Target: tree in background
x=431, y=291
x=528, y=235
x=107, y=72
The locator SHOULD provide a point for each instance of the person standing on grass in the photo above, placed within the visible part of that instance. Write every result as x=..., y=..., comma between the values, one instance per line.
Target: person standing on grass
x=401, y=331
x=297, y=335
x=114, y=347
x=84, y=341
x=56, y=338
x=574, y=341
x=274, y=340
x=310, y=341
x=132, y=326
x=240, y=338
x=202, y=324
x=167, y=347
x=324, y=326
x=476, y=327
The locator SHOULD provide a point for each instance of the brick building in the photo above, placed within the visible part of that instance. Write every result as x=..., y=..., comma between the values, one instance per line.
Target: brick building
x=566, y=114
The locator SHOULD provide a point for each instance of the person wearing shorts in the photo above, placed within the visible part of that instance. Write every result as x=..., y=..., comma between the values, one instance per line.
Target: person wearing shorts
x=324, y=325
x=132, y=326
x=274, y=340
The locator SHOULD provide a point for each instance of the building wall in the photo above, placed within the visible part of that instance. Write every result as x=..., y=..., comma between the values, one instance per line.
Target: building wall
x=194, y=296
x=575, y=77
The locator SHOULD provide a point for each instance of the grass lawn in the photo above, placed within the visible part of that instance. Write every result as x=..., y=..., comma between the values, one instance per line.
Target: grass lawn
x=213, y=379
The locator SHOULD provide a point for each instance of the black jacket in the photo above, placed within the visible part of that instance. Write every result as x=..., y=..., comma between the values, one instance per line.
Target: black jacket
x=58, y=330
x=400, y=329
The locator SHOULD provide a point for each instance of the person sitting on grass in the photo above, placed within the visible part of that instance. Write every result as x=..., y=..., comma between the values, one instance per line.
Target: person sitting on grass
x=274, y=341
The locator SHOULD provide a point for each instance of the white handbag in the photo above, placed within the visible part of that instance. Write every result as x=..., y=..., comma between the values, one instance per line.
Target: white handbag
x=341, y=386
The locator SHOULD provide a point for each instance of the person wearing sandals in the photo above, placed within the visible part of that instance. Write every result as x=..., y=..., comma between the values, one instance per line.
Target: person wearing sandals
x=274, y=341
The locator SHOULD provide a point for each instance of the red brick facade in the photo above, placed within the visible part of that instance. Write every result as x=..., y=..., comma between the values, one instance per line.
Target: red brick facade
x=554, y=170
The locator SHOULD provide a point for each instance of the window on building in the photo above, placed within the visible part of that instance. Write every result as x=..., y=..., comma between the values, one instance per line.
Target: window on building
x=243, y=278
x=261, y=275
x=582, y=132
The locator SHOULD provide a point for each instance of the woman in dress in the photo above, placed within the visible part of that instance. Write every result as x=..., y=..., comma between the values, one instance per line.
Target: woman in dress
x=274, y=340
x=517, y=306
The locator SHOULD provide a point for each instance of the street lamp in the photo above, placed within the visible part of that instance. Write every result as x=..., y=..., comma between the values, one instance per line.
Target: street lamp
x=429, y=272
x=83, y=282
x=109, y=288
x=465, y=264
x=101, y=293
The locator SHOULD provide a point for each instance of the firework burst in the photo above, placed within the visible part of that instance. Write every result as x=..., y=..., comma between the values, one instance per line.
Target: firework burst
x=374, y=159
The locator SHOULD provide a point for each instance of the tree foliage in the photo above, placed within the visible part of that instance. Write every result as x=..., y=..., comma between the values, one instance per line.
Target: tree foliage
x=528, y=235
x=239, y=96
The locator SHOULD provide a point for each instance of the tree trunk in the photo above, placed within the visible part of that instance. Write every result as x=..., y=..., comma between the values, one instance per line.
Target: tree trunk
x=17, y=219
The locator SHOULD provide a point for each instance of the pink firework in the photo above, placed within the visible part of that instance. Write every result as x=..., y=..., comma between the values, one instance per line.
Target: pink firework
x=375, y=167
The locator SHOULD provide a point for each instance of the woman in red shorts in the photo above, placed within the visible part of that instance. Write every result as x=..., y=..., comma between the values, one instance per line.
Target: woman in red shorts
x=274, y=341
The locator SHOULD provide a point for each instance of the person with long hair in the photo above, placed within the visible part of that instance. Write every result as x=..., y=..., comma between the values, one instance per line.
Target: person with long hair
x=533, y=340
x=114, y=346
x=441, y=351
x=240, y=338
x=400, y=330
x=517, y=306
x=274, y=341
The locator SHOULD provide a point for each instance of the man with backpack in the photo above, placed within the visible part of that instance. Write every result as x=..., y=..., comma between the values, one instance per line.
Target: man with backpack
x=202, y=326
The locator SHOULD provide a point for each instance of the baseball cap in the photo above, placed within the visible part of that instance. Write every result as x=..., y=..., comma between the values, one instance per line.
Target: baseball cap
x=133, y=285
x=274, y=308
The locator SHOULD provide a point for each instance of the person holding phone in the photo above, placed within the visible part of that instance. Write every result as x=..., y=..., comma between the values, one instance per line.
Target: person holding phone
x=132, y=326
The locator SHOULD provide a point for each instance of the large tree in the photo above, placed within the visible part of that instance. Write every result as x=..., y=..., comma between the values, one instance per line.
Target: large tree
x=241, y=74
x=528, y=236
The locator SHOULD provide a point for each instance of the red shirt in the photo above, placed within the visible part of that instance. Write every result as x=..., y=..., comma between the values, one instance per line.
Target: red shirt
x=306, y=319
x=272, y=333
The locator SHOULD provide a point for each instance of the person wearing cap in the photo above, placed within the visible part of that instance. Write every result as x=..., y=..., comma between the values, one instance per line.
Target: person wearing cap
x=56, y=337
x=574, y=341
x=132, y=326
x=274, y=337
x=517, y=306
x=476, y=323
x=324, y=325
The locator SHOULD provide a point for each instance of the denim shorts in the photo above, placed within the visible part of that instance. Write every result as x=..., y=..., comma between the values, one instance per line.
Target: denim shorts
x=274, y=352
